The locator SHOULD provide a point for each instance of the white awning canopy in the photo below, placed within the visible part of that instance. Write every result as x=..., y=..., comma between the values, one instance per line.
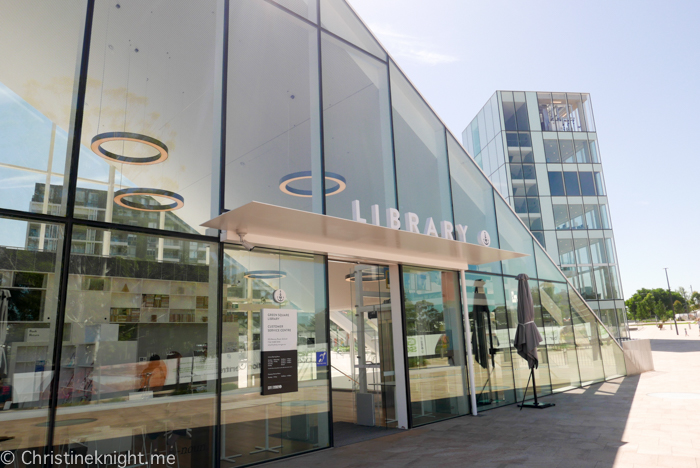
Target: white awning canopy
x=274, y=226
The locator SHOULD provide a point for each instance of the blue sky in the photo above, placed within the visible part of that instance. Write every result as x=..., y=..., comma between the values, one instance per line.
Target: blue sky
x=640, y=62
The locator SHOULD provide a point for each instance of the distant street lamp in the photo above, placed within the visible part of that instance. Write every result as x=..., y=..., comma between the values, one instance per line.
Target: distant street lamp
x=670, y=300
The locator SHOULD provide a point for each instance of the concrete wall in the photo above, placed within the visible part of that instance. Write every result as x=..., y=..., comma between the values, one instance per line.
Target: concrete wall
x=638, y=357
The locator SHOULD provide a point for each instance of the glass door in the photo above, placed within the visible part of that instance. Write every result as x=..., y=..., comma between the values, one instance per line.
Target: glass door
x=362, y=362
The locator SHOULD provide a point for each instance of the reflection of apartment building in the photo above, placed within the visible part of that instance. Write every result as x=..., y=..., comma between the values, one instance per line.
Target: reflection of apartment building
x=89, y=204
x=541, y=151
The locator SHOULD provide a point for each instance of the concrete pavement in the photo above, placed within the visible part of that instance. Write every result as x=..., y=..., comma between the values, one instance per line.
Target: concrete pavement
x=649, y=420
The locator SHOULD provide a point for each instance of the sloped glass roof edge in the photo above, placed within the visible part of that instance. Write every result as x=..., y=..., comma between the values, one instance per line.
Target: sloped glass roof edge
x=372, y=36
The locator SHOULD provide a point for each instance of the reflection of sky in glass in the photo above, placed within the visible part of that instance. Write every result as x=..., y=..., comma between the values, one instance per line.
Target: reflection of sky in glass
x=25, y=141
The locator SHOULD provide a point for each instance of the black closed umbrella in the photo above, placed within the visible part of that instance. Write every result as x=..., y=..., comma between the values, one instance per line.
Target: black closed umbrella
x=527, y=337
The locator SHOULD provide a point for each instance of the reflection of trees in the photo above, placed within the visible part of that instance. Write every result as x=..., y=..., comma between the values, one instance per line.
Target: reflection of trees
x=423, y=318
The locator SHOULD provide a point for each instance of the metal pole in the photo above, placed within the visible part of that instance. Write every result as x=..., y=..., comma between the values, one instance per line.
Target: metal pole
x=670, y=299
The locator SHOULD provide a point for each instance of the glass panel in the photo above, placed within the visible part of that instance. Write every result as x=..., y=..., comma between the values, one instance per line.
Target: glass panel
x=621, y=319
x=521, y=111
x=561, y=214
x=578, y=119
x=588, y=111
x=338, y=18
x=587, y=343
x=582, y=154
x=516, y=172
x=156, y=83
x=551, y=151
x=357, y=126
x=539, y=236
x=288, y=423
x=598, y=251
x=566, y=252
x=36, y=91
x=592, y=217
x=472, y=199
x=421, y=154
x=577, y=219
x=561, y=113
x=610, y=248
x=571, y=180
x=615, y=291
x=520, y=367
x=613, y=356
x=587, y=185
x=594, y=151
x=546, y=110
x=520, y=205
x=508, y=110
x=559, y=334
x=29, y=282
x=434, y=331
x=585, y=284
x=566, y=148
x=140, y=343
x=515, y=237
x=607, y=314
x=305, y=8
x=546, y=269
x=604, y=217
x=488, y=319
x=556, y=184
x=600, y=187
x=581, y=246
x=273, y=152
x=602, y=280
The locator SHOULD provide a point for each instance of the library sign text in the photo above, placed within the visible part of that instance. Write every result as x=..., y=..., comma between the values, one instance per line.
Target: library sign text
x=411, y=223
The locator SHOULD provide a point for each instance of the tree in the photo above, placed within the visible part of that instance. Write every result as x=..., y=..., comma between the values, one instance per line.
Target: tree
x=694, y=301
x=659, y=295
x=681, y=290
x=661, y=312
x=678, y=308
x=646, y=307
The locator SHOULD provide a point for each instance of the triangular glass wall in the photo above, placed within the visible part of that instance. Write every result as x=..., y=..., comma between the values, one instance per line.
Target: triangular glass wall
x=338, y=18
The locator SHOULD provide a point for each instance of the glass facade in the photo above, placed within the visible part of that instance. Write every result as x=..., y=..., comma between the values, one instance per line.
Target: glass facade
x=435, y=344
x=127, y=327
x=540, y=150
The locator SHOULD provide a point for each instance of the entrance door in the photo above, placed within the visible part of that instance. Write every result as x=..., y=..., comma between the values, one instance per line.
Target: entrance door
x=362, y=362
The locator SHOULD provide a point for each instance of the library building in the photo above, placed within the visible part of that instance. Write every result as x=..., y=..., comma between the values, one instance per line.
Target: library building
x=234, y=231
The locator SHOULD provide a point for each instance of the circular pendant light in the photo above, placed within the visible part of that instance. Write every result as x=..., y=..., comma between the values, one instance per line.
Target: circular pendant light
x=338, y=187
x=366, y=276
x=266, y=274
x=120, y=198
x=99, y=140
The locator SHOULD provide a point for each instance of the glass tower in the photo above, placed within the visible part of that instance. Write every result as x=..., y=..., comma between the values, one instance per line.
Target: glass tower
x=540, y=150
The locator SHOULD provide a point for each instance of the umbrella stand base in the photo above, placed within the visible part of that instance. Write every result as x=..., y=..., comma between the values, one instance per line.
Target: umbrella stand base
x=537, y=405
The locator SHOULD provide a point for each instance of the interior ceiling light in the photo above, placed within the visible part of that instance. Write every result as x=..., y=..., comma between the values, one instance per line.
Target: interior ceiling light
x=367, y=276
x=266, y=274
x=120, y=198
x=338, y=187
x=99, y=140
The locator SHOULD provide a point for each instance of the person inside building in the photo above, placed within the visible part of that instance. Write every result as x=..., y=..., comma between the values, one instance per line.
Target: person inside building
x=153, y=375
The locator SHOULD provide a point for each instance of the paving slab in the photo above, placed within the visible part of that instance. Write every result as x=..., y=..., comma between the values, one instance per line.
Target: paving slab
x=630, y=422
